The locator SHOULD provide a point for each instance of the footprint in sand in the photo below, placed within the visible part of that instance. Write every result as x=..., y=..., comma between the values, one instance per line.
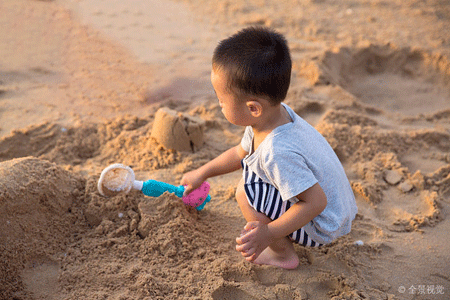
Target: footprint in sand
x=407, y=81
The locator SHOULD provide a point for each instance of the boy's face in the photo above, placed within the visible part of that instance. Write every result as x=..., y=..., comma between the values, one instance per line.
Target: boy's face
x=234, y=109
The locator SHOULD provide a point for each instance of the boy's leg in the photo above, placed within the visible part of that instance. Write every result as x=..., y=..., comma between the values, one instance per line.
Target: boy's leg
x=281, y=253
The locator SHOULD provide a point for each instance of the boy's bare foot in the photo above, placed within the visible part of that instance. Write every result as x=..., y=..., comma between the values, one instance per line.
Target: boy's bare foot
x=289, y=260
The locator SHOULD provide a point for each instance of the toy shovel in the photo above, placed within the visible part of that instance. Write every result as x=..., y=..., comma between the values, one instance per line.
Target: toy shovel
x=117, y=178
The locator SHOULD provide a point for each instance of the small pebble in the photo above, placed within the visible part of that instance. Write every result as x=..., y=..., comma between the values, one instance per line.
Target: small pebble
x=120, y=215
x=392, y=177
x=405, y=186
x=359, y=243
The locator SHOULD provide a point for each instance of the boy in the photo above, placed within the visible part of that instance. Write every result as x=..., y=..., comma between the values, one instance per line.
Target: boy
x=294, y=189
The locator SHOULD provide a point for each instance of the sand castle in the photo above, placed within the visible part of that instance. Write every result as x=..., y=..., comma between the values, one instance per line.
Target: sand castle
x=178, y=131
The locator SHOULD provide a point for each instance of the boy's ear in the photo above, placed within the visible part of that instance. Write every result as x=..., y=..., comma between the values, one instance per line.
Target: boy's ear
x=255, y=108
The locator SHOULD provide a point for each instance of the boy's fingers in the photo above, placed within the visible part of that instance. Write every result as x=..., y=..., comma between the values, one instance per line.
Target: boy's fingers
x=242, y=239
x=242, y=248
x=251, y=225
x=183, y=180
x=244, y=251
x=251, y=258
x=245, y=236
x=187, y=190
x=249, y=253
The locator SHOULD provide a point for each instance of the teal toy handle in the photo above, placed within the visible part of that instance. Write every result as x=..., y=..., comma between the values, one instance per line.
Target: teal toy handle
x=153, y=188
x=197, y=198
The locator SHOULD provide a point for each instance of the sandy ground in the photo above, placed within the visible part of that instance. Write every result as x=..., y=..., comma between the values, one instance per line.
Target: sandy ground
x=81, y=81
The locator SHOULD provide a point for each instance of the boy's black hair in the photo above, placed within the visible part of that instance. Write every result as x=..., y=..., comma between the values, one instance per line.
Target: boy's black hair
x=257, y=62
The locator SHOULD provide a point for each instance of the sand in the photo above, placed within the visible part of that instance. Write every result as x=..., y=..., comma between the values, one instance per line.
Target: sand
x=80, y=86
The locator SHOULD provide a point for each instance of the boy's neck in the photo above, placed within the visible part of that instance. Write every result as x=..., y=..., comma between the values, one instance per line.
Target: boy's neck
x=272, y=117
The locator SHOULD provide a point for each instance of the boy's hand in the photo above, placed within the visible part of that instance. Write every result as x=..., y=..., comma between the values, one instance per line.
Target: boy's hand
x=257, y=238
x=227, y=162
x=191, y=180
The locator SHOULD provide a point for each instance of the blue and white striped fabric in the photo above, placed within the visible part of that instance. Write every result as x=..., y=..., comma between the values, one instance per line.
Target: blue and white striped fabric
x=266, y=199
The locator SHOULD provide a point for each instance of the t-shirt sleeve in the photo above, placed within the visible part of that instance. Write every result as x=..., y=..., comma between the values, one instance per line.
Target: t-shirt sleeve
x=246, y=142
x=289, y=173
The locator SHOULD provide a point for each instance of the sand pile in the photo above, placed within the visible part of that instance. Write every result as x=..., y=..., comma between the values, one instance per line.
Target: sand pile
x=158, y=247
x=125, y=139
x=41, y=215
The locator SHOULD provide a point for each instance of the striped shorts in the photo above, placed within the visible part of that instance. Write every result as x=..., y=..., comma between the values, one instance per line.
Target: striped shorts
x=266, y=199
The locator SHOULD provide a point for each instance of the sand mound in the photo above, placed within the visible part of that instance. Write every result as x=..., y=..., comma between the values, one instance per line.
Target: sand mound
x=53, y=142
x=128, y=140
x=33, y=140
x=158, y=247
x=39, y=212
x=125, y=139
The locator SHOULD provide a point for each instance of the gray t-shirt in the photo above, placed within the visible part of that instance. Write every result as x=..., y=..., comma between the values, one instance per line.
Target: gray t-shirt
x=294, y=157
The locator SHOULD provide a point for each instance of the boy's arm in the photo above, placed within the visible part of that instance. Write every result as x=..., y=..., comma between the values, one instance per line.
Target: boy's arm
x=311, y=203
x=226, y=162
